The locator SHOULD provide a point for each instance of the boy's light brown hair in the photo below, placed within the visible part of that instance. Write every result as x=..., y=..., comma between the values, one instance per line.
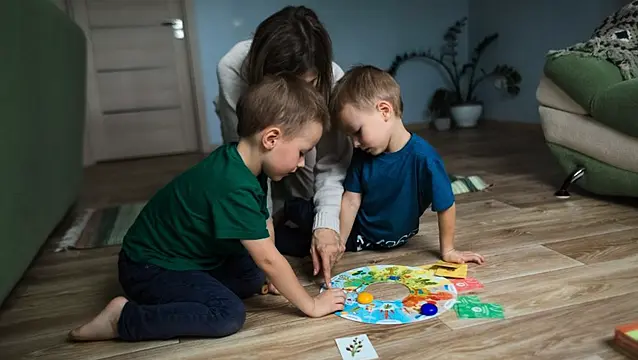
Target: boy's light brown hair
x=283, y=100
x=361, y=87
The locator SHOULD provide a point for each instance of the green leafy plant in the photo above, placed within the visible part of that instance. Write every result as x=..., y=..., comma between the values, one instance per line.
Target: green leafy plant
x=355, y=347
x=447, y=59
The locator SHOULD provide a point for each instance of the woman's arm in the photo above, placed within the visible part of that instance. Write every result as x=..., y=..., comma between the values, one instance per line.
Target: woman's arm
x=334, y=152
x=231, y=86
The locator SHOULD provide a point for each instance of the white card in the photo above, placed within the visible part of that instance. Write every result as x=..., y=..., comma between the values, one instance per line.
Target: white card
x=356, y=348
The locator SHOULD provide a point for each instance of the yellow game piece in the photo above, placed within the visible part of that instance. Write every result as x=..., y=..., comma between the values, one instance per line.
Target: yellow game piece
x=446, y=264
x=365, y=298
x=458, y=273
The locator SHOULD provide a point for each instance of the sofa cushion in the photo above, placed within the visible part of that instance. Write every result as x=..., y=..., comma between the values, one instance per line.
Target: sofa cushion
x=617, y=107
x=550, y=95
x=582, y=78
x=589, y=137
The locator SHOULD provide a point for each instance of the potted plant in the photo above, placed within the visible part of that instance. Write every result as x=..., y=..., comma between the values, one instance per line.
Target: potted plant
x=439, y=109
x=464, y=107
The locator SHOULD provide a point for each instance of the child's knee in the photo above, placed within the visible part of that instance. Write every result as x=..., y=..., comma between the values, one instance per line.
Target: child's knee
x=234, y=318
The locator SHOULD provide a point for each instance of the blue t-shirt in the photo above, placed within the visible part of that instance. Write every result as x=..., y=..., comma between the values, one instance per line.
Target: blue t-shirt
x=396, y=189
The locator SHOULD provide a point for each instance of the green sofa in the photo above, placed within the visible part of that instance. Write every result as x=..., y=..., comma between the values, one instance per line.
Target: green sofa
x=589, y=112
x=42, y=104
x=590, y=121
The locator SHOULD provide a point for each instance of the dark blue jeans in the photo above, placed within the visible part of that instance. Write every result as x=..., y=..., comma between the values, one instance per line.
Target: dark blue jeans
x=165, y=304
x=296, y=240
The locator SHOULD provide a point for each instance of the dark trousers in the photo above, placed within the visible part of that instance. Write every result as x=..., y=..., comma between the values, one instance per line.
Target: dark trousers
x=293, y=234
x=165, y=304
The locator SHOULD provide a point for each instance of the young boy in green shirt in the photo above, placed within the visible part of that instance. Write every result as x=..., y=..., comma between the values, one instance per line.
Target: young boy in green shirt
x=205, y=241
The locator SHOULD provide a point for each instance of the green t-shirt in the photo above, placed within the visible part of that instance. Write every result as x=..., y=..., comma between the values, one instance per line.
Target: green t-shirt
x=199, y=218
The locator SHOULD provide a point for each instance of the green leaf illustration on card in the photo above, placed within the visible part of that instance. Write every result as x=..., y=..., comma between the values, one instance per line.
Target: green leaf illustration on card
x=478, y=311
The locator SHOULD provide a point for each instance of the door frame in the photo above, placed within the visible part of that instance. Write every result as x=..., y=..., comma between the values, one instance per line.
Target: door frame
x=193, y=60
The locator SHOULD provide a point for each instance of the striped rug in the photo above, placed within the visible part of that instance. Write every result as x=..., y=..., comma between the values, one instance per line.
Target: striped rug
x=462, y=184
x=96, y=228
x=104, y=227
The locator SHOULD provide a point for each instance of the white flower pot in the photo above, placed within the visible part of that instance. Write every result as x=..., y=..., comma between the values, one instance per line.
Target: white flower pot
x=442, y=123
x=466, y=115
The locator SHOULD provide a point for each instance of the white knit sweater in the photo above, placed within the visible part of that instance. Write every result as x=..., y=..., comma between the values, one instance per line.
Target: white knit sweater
x=334, y=150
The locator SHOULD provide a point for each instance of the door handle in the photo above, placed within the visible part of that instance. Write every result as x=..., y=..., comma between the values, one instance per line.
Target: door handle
x=178, y=27
x=176, y=24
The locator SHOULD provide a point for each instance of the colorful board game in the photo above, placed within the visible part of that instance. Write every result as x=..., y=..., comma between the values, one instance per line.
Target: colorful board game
x=430, y=295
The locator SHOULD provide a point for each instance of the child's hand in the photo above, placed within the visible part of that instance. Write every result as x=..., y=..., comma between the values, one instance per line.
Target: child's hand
x=327, y=302
x=462, y=257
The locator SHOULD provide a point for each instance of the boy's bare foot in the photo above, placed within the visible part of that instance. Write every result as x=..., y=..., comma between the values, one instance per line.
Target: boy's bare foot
x=272, y=289
x=103, y=326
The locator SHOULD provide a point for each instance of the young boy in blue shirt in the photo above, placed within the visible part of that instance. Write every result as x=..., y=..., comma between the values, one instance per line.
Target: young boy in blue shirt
x=394, y=176
x=205, y=241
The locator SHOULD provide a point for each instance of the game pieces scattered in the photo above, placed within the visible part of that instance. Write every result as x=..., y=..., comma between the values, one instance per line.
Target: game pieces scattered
x=479, y=311
x=450, y=270
x=423, y=299
x=467, y=306
x=446, y=269
x=428, y=309
x=365, y=297
x=466, y=285
x=356, y=347
x=466, y=300
x=626, y=338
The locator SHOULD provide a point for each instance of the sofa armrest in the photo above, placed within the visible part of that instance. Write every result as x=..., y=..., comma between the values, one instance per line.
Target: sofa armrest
x=582, y=77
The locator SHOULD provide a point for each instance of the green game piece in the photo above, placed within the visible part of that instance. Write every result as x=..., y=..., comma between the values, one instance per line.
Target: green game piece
x=478, y=311
x=467, y=300
x=633, y=334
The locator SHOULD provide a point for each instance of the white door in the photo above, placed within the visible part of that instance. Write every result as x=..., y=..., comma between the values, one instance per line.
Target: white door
x=140, y=99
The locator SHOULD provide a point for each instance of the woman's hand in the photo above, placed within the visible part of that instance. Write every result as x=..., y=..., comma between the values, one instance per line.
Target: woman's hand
x=326, y=250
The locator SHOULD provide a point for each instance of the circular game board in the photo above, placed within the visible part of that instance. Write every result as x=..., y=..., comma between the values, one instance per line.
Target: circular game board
x=424, y=287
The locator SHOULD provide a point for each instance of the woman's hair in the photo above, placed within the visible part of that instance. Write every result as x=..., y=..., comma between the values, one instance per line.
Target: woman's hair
x=292, y=40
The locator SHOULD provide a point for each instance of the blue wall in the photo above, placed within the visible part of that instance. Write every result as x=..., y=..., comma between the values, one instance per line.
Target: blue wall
x=372, y=32
x=528, y=29
x=375, y=31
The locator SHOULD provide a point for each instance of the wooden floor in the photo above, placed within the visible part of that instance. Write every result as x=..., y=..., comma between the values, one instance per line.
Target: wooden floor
x=565, y=271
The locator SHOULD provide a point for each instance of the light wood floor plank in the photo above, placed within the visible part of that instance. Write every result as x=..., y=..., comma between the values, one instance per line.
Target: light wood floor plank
x=516, y=232
x=599, y=248
x=526, y=295
x=500, y=265
x=531, y=260
x=60, y=349
x=569, y=332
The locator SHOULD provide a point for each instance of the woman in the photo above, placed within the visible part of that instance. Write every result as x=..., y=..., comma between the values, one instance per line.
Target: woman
x=294, y=40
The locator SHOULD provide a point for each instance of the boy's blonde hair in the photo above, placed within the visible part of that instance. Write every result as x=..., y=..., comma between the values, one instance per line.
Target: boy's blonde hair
x=283, y=100
x=362, y=86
